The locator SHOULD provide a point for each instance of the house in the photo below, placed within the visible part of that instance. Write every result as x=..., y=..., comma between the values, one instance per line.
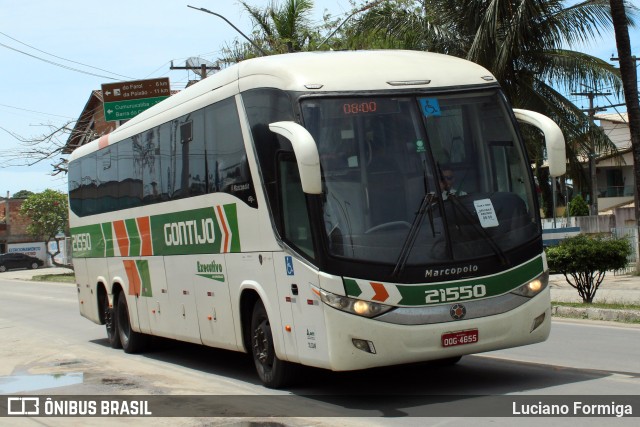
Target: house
x=615, y=172
x=13, y=226
x=91, y=124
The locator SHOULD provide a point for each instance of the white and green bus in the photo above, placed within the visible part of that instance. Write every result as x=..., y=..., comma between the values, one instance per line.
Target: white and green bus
x=293, y=207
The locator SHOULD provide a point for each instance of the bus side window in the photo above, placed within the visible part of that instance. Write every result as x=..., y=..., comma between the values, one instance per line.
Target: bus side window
x=75, y=190
x=295, y=217
x=129, y=176
x=227, y=164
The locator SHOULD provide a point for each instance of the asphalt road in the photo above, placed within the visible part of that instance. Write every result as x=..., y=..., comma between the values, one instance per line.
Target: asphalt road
x=46, y=347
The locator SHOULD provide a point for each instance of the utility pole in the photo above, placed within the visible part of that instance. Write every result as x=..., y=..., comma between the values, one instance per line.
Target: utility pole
x=591, y=112
x=203, y=68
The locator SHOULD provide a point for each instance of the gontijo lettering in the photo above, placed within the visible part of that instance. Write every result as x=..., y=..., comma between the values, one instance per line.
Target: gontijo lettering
x=189, y=232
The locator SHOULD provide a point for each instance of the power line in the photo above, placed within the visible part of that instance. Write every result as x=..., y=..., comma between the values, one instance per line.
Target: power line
x=57, y=64
x=34, y=111
x=59, y=57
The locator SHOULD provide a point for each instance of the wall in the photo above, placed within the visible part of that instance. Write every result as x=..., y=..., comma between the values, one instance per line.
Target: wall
x=14, y=229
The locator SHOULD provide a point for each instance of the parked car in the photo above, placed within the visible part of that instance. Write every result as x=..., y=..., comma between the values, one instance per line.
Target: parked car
x=19, y=260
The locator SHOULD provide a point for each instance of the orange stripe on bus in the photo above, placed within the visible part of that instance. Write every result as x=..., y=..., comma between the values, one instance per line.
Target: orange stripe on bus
x=381, y=293
x=145, y=235
x=133, y=276
x=103, y=141
x=225, y=229
x=121, y=237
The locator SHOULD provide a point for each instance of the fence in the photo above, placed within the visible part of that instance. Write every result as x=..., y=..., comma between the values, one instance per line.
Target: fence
x=631, y=234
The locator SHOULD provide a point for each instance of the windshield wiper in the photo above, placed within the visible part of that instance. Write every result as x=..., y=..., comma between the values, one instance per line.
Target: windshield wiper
x=426, y=206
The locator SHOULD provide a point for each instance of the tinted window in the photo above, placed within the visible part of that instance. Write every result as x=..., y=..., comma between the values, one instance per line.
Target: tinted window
x=201, y=152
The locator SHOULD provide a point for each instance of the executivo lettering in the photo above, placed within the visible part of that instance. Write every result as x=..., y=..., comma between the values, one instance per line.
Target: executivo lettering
x=189, y=232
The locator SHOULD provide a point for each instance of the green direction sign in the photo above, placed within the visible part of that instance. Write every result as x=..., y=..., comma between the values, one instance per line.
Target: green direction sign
x=124, y=110
x=125, y=100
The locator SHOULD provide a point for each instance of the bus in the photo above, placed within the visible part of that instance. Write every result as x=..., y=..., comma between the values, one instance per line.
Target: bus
x=293, y=207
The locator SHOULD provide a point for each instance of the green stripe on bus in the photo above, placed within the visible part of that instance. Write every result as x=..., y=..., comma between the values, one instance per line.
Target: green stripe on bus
x=134, y=237
x=195, y=231
x=495, y=285
x=498, y=284
x=232, y=216
x=145, y=278
x=352, y=288
x=107, y=233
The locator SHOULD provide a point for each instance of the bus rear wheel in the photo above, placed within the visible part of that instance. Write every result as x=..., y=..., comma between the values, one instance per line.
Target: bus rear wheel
x=273, y=372
x=110, y=322
x=132, y=341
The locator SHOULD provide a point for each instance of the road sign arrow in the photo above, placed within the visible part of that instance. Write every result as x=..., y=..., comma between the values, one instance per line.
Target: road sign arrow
x=109, y=111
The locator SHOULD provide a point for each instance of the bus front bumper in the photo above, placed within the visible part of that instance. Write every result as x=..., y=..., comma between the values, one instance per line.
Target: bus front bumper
x=390, y=344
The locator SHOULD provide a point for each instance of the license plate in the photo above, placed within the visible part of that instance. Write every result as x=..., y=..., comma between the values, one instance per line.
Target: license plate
x=451, y=339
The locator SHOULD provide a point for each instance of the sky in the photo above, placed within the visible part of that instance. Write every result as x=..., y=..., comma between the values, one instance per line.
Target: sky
x=103, y=42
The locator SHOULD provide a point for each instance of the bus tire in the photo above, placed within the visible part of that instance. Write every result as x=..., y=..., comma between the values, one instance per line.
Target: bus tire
x=110, y=322
x=132, y=341
x=449, y=361
x=273, y=372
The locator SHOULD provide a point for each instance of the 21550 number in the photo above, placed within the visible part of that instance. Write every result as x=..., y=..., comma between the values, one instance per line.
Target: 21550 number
x=460, y=293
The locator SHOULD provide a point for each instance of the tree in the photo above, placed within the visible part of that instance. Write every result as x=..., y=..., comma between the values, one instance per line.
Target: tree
x=586, y=260
x=280, y=28
x=22, y=194
x=630, y=85
x=44, y=147
x=526, y=44
x=578, y=206
x=48, y=213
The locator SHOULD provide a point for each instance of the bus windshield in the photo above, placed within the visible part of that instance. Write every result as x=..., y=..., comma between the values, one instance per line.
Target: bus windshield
x=421, y=179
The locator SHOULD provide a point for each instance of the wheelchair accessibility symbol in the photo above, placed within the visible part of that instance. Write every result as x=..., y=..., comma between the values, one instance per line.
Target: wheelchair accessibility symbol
x=288, y=262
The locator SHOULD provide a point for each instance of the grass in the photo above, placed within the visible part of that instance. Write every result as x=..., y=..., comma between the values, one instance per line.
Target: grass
x=607, y=305
x=61, y=278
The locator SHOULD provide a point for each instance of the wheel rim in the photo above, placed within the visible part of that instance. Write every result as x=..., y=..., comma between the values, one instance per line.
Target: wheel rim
x=108, y=318
x=262, y=348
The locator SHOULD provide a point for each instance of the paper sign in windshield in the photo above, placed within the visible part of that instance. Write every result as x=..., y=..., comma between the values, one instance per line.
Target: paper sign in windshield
x=486, y=213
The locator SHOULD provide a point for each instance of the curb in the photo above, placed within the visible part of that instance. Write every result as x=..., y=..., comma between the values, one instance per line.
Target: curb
x=611, y=315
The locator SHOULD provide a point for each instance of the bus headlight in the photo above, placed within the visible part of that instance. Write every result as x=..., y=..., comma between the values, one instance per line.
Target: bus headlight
x=533, y=287
x=354, y=306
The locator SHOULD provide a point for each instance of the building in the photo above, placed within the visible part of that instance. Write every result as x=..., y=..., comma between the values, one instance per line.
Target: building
x=615, y=172
x=91, y=124
x=13, y=226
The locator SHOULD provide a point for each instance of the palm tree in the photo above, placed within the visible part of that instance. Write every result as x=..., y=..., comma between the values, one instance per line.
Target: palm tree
x=282, y=28
x=630, y=82
x=526, y=44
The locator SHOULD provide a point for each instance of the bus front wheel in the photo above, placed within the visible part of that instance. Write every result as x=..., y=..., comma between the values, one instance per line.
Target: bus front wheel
x=132, y=341
x=273, y=372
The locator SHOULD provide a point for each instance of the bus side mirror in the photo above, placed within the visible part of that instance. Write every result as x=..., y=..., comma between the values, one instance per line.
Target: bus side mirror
x=554, y=140
x=306, y=153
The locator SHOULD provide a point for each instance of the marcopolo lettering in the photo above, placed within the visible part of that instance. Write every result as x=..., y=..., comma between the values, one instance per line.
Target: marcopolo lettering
x=189, y=232
x=471, y=268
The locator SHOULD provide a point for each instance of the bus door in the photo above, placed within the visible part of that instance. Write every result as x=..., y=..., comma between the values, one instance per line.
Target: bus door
x=213, y=302
x=153, y=303
x=85, y=291
x=301, y=310
x=182, y=299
